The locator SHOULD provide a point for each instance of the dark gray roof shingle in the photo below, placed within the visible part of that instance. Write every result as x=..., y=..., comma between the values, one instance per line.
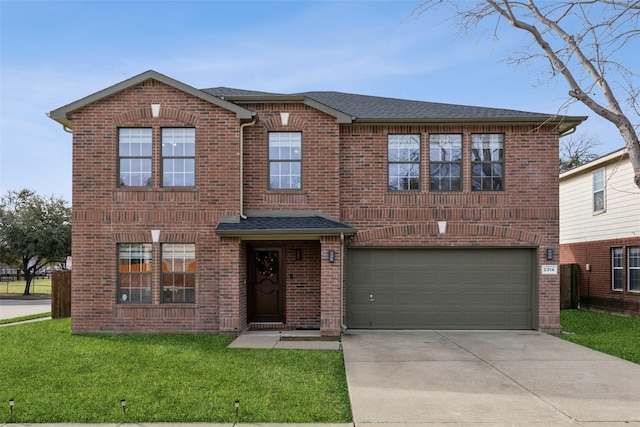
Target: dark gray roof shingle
x=366, y=107
x=315, y=225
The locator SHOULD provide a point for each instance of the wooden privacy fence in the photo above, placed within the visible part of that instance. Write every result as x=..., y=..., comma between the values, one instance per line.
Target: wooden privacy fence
x=569, y=286
x=61, y=294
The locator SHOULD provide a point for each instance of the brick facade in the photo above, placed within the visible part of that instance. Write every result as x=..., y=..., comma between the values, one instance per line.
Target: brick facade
x=344, y=176
x=595, y=285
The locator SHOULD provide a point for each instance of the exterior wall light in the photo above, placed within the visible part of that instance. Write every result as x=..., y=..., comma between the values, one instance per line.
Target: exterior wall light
x=549, y=254
x=332, y=256
x=298, y=254
x=155, y=110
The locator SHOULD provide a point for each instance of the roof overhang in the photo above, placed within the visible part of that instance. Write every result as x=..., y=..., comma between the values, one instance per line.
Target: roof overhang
x=281, y=225
x=62, y=115
x=564, y=123
x=598, y=163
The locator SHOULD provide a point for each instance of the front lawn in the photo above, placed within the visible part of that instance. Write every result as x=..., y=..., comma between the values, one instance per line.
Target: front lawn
x=615, y=335
x=56, y=377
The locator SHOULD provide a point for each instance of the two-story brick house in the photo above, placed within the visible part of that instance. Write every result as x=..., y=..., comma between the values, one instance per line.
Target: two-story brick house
x=215, y=210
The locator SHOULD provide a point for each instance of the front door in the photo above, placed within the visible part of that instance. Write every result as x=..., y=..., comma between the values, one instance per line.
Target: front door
x=266, y=285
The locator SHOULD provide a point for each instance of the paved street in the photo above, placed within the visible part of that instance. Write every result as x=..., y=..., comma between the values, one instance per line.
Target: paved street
x=10, y=308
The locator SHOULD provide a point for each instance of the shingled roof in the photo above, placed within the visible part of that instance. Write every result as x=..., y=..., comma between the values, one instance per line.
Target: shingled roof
x=284, y=225
x=376, y=109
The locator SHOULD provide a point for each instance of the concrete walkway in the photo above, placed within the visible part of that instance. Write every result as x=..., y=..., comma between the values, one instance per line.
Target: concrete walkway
x=495, y=378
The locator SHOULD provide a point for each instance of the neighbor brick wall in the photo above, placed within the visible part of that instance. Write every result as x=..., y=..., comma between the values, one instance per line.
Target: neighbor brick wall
x=596, y=285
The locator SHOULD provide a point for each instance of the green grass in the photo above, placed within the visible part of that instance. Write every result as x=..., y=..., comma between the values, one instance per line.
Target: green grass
x=38, y=286
x=57, y=377
x=23, y=318
x=615, y=335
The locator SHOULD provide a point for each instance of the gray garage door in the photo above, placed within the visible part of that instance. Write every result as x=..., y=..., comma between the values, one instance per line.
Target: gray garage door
x=441, y=288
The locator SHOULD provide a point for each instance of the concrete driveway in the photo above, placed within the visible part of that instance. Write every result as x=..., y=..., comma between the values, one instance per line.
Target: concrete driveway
x=489, y=378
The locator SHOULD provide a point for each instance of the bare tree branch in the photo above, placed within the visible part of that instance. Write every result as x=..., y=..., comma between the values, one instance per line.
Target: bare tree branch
x=580, y=39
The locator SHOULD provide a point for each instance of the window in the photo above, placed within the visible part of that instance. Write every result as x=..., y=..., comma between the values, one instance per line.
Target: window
x=404, y=162
x=178, y=273
x=285, y=160
x=616, y=269
x=134, y=273
x=178, y=157
x=598, y=191
x=487, y=157
x=445, y=162
x=134, y=153
x=634, y=269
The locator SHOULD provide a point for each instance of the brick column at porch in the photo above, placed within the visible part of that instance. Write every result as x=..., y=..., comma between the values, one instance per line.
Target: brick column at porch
x=231, y=295
x=330, y=324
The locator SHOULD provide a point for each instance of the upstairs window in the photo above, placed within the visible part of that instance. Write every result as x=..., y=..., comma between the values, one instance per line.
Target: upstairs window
x=445, y=162
x=634, y=269
x=285, y=160
x=134, y=273
x=178, y=157
x=598, y=191
x=487, y=162
x=616, y=269
x=179, y=273
x=134, y=157
x=403, y=154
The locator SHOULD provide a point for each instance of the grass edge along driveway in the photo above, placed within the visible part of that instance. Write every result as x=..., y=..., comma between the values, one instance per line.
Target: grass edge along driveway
x=54, y=376
x=615, y=335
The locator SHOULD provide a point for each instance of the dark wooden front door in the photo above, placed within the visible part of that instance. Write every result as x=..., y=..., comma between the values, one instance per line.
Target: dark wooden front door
x=266, y=285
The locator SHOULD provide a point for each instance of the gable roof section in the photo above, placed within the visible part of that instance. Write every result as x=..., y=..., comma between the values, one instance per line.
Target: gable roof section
x=354, y=108
x=613, y=157
x=61, y=115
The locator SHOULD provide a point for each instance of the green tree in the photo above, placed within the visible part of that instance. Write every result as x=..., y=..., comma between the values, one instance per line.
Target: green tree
x=34, y=231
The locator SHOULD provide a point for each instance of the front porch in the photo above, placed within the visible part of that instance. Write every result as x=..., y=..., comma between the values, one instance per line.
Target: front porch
x=282, y=274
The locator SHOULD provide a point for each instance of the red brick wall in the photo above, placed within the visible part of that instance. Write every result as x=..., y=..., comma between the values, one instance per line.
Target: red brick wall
x=524, y=214
x=104, y=215
x=596, y=285
x=344, y=175
x=320, y=160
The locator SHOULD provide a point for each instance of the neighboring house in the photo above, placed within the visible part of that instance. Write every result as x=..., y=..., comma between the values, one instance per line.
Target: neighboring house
x=216, y=210
x=600, y=231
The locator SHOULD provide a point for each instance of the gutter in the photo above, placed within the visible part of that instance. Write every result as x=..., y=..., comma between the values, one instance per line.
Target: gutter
x=241, y=155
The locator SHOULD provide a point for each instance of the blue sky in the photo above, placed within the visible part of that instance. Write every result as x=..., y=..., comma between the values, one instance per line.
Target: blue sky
x=55, y=52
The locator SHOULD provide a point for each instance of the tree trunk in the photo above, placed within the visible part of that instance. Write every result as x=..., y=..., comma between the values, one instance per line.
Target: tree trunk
x=633, y=148
x=27, y=288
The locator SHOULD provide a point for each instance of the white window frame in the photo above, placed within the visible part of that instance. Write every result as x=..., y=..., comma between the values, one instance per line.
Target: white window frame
x=617, y=254
x=285, y=161
x=598, y=187
x=178, y=157
x=633, y=265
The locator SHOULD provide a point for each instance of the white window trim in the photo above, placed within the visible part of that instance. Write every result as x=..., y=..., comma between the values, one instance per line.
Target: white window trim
x=604, y=192
x=614, y=268
x=629, y=268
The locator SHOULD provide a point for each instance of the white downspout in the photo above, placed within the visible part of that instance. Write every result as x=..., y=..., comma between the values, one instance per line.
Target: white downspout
x=242, y=126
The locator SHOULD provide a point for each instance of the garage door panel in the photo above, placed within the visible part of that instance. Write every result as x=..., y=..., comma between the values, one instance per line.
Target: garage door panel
x=441, y=288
